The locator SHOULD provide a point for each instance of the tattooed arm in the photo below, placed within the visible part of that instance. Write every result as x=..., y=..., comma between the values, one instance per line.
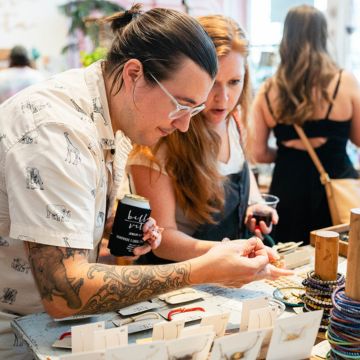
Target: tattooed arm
x=69, y=284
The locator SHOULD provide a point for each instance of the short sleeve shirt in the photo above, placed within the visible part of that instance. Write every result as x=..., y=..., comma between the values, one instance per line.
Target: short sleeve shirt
x=57, y=168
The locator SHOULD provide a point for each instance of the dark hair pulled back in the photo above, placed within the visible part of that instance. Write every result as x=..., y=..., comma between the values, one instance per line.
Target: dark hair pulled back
x=159, y=39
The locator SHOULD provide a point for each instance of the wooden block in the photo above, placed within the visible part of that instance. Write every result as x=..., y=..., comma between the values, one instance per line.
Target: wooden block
x=343, y=245
x=326, y=254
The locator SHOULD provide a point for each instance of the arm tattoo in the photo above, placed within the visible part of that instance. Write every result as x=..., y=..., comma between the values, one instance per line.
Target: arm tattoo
x=130, y=284
x=50, y=273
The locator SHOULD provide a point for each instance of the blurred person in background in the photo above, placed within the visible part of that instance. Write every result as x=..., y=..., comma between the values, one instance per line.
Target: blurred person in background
x=19, y=75
x=309, y=90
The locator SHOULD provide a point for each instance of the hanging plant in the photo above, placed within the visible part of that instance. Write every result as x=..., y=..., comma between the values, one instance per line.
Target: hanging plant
x=81, y=10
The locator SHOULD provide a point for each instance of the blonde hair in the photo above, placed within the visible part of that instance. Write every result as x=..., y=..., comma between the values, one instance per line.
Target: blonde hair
x=191, y=157
x=306, y=67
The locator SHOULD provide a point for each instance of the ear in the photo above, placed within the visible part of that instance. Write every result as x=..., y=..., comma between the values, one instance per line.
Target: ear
x=132, y=71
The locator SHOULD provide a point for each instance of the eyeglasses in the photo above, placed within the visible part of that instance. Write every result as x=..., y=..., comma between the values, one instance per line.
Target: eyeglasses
x=180, y=110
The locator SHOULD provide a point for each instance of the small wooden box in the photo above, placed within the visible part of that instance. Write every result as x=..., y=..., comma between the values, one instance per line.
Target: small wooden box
x=343, y=245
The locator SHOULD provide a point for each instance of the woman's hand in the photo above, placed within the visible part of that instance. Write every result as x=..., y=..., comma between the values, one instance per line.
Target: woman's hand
x=152, y=237
x=262, y=228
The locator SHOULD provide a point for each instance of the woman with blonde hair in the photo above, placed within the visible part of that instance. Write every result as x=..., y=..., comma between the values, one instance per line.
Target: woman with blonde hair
x=199, y=182
x=309, y=90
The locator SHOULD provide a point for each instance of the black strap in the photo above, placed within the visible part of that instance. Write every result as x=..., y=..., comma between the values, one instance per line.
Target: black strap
x=334, y=95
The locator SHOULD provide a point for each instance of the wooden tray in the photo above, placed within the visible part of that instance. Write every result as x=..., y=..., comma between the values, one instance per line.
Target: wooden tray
x=343, y=245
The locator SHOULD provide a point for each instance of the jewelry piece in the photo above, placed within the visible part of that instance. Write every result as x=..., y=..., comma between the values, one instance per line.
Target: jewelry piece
x=183, y=310
x=290, y=296
x=144, y=316
x=188, y=356
x=180, y=296
x=292, y=335
x=237, y=354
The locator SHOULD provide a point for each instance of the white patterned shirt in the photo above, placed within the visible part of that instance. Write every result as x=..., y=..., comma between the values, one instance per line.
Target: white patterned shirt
x=56, y=171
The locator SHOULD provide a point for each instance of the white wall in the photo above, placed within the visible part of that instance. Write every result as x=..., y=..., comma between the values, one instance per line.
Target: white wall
x=35, y=23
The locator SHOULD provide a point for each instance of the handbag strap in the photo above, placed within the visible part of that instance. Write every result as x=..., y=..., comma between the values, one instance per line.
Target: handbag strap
x=324, y=176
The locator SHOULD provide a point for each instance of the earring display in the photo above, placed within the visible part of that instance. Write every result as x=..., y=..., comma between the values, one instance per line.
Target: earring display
x=293, y=337
x=195, y=347
x=244, y=345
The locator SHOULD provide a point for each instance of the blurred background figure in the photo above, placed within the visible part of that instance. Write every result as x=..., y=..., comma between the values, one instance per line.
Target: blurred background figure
x=308, y=89
x=19, y=75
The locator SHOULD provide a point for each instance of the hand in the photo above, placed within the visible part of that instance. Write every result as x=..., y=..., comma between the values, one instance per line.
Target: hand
x=152, y=237
x=240, y=262
x=262, y=228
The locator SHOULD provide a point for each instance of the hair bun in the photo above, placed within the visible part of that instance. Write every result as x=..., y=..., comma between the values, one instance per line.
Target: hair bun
x=121, y=19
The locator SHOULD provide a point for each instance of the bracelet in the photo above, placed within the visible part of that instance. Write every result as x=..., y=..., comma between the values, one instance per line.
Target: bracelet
x=183, y=310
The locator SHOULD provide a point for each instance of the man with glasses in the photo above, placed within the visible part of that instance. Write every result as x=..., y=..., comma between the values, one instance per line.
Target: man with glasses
x=58, y=176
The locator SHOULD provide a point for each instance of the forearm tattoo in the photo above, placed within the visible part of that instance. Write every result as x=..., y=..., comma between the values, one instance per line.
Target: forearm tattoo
x=130, y=284
x=50, y=273
x=121, y=285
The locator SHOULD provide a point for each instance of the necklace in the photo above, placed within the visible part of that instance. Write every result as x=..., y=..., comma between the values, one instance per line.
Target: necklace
x=291, y=335
x=237, y=354
x=188, y=356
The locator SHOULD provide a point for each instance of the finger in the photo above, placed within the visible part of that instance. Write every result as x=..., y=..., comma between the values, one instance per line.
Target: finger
x=150, y=223
x=265, y=229
x=272, y=254
x=277, y=272
x=142, y=250
x=259, y=234
x=155, y=244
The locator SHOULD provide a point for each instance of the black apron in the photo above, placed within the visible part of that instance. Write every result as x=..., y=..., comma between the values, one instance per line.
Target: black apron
x=229, y=223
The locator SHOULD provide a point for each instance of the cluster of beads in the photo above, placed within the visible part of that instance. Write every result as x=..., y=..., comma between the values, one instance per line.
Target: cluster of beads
x=344, y=329
x=318, y=294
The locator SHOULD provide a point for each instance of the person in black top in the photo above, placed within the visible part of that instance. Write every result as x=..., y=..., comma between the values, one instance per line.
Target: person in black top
x=310, y=90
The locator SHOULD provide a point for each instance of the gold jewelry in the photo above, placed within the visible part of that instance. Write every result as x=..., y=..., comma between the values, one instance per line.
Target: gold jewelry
x=292, y=335
x=237, y=354
x=188, y=356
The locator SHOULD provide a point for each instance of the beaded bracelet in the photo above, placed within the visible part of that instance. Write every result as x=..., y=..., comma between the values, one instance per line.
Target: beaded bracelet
x=316, y=279
x=307, y=297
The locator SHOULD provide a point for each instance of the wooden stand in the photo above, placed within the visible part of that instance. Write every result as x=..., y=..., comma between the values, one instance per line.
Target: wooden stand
x=352, y=286
x=343, y=245
x=326, y=254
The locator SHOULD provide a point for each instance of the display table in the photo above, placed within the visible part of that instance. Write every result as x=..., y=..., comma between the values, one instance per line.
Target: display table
x=40, y=331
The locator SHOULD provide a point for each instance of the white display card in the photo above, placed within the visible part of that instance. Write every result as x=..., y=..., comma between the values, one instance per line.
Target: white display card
x=248, y=305
x=104, y=339
x=244, y=345
x=82, y=336
x=181, y=296
x=151, y=351
x=195, y=347
x=167, y=330
x=262, y=318
x=138, y=308
x=219, y=321
x=197, y=330
x=294, y=337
